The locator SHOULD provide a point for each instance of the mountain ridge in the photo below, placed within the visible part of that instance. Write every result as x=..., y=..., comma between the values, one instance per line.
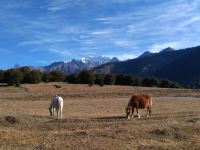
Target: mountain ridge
x=74, y=65
x=168, y=63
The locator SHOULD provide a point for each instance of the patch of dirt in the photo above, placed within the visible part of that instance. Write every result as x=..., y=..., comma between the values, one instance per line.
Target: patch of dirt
x=147, y=147
x=193, y=120
x=11, y=119
x=39, y=147
x=169, y=132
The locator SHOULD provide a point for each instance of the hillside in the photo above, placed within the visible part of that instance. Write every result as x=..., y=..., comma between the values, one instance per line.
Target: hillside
x=178, y=65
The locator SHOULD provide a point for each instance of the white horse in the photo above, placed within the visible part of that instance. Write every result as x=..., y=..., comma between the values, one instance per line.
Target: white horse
x=56, y=104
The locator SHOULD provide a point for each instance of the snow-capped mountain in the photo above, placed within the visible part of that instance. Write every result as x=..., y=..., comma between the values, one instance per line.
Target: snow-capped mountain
x=77, y=65
x=96, y=61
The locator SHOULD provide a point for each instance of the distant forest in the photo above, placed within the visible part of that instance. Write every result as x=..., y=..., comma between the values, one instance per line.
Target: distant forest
x=17, y=76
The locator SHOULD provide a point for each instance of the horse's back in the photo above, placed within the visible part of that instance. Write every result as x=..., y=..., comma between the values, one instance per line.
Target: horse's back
x=54, y=101
x=60, y=101
x=142, y=101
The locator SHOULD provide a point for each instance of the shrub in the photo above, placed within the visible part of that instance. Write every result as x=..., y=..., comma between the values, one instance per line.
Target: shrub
x=86, y=77
x=99, y=79
x=57, y=76
x=119, y=79
x=150, y=82
x=109, y=79
x=1, y=76
x=73, y=78
x=46, y=77
x=25, y=73
x=34, y=76
x=13, y=76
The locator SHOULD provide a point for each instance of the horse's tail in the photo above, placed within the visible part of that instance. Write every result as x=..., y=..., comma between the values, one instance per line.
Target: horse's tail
x=150, y=106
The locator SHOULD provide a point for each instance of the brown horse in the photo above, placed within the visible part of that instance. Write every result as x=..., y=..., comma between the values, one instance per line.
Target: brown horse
x=139, y=102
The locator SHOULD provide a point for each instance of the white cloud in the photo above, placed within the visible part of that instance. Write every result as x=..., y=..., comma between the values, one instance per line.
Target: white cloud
x=123, y=56
x=63, y=53
x=101, y=32
x=125, y=43
x=158, y=47
x=43, y=62
x=189, y=21
x=126, y=56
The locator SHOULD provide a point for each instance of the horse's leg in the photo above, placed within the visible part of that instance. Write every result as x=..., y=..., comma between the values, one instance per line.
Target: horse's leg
x=57, y=111
x=60, y=114
x=137, y=112
x=147, y=112
x=53, y=111
x=132, y=112
x=50, y=111
x=150, y=111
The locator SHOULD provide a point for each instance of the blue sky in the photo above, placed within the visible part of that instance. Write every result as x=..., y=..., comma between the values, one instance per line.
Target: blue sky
x=39, y=32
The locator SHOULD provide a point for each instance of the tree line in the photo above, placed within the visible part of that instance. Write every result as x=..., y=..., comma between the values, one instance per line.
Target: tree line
x=23, y=75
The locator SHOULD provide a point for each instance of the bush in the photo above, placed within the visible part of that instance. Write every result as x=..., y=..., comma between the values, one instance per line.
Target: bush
x=25, y=73
x=99, y=79
x=91, y=83
x=128, y=80
x=109, y=79
x=73, y=78
x=164, y=83
x=34, y=76
x=150, y=82
x=1, y=76
x=13, y=76
x=86, y=77
x=119, y=79
x=46, y=77
x=57, y=76
x=136, y=81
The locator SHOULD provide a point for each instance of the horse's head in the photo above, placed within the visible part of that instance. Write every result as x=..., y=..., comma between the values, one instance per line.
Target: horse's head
x=128, y=112
x=50, y=111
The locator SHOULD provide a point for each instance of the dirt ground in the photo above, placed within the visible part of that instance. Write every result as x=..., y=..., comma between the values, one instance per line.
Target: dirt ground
x=94, y=118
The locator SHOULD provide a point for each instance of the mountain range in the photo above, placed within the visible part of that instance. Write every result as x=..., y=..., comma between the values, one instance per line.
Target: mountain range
x=176, y=65
x=77, y=65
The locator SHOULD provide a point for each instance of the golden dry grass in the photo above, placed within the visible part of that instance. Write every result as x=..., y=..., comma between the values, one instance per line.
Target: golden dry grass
x=94, y=118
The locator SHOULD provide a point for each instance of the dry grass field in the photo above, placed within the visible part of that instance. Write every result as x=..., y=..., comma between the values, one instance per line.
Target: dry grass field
x=94, y=118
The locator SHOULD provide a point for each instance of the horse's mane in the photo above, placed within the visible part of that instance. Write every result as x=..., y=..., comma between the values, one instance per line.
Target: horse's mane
x=129, y=102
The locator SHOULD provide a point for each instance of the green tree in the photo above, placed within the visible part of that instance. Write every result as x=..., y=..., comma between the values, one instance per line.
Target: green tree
x=25, y=72
x=34, y=76
x=109, y=79
x=150, y=82
x=1, y=76
x=57, y=76
x=119, y=79
x=73, y=78
x=128, y=80
x=165, y=83
x=86, y=77
x=136, y=81
x=99, y=79
x=46, y=77
x=13, y=77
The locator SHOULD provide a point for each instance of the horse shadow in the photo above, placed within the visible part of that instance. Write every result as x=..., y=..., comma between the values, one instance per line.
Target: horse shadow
x=3, y=85
x=110, y=118
x=41, y=117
